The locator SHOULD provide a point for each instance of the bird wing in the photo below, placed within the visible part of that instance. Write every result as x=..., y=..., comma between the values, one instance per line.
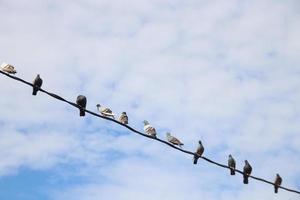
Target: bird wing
x=231, y=162
x=123, y=118
x=248, y=169
x=174, y=140
x=149, y=129
x=278, y=181
x=106, y=111
x=200, y=150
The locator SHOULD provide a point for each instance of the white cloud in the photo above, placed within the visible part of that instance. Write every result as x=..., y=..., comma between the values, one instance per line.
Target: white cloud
x=225, y=72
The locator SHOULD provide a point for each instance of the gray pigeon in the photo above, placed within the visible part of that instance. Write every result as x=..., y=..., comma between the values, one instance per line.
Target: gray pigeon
x=173, y=140
x=199, y=152
x=81, y=102
x=231, y=164
x=247, y=171
x=8, y=68
x=150, y=130
x=277, y=182
x=37, y=83
x=105, y=111
x=123, y=118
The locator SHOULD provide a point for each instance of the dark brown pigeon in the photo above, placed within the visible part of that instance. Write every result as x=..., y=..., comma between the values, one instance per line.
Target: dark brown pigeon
x=247, y=171
x=81, y=102
x=37, y=83
x=277, y=182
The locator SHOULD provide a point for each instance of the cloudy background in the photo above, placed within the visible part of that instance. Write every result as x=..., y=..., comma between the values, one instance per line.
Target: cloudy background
x=226, y=72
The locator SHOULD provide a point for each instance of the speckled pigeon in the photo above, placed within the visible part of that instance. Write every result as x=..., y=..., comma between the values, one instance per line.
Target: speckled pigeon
x=150, y=130
x=8, y=68
x=123, y=118
x=105, y=111
x=173, y=140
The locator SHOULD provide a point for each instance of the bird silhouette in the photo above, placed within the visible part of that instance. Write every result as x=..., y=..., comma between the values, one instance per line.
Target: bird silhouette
x=37, y=84
x=81, y=102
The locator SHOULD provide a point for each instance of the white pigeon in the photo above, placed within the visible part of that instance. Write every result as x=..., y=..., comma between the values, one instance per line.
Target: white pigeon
x=105, y=111
x=150, y=130
x=173, y=140
x=8, y=68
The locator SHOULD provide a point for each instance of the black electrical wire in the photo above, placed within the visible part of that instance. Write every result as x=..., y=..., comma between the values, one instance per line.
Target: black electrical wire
x=143, y=134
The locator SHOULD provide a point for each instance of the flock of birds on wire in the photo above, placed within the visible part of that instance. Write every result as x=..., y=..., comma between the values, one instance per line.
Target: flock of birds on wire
x=148, y=129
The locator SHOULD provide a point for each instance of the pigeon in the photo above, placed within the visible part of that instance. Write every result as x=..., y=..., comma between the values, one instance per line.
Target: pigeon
x=123, y=118
x=231, y=164
x=37, y=83
x=277, y=182
x=81, y=102
x=105, y=111
x=149, y=129
x=173, y=140
x=8, y=68
x=199, y=152
x=247, y=171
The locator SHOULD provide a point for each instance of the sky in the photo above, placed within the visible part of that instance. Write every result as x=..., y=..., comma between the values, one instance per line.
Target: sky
x=225, y=72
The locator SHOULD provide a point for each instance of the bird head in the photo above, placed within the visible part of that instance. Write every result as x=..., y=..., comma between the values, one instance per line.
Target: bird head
x=124, y=113
x=38, y=76
x=277, y=175
x=3, y=65
x=168, y=134
x=200, y=142
x=230, y=156
x=98, y=105
x=246, y=162
x=145, y=122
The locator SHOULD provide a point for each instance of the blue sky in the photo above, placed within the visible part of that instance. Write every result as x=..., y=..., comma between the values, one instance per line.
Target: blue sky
x=226, y=72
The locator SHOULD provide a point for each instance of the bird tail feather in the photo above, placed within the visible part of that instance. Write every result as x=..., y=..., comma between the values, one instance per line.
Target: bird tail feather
x=82, y=112
x=232, y=172
x=34, y=92
x=276, y=189
x=196, y=159
x=245, y=179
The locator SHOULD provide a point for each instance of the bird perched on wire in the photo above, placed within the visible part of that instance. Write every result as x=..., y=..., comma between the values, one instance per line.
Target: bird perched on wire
x=199, y=152
x=81, y=102
x=105, y=111
x=150, y=130
x=8, y=68
x=123, y=118
x=37, y=84
x=231, y=164
x=173, y=140
x=277, y=182
x=247, y=171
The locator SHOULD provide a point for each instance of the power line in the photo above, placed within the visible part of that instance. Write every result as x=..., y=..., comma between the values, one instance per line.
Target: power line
x=143, y=134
